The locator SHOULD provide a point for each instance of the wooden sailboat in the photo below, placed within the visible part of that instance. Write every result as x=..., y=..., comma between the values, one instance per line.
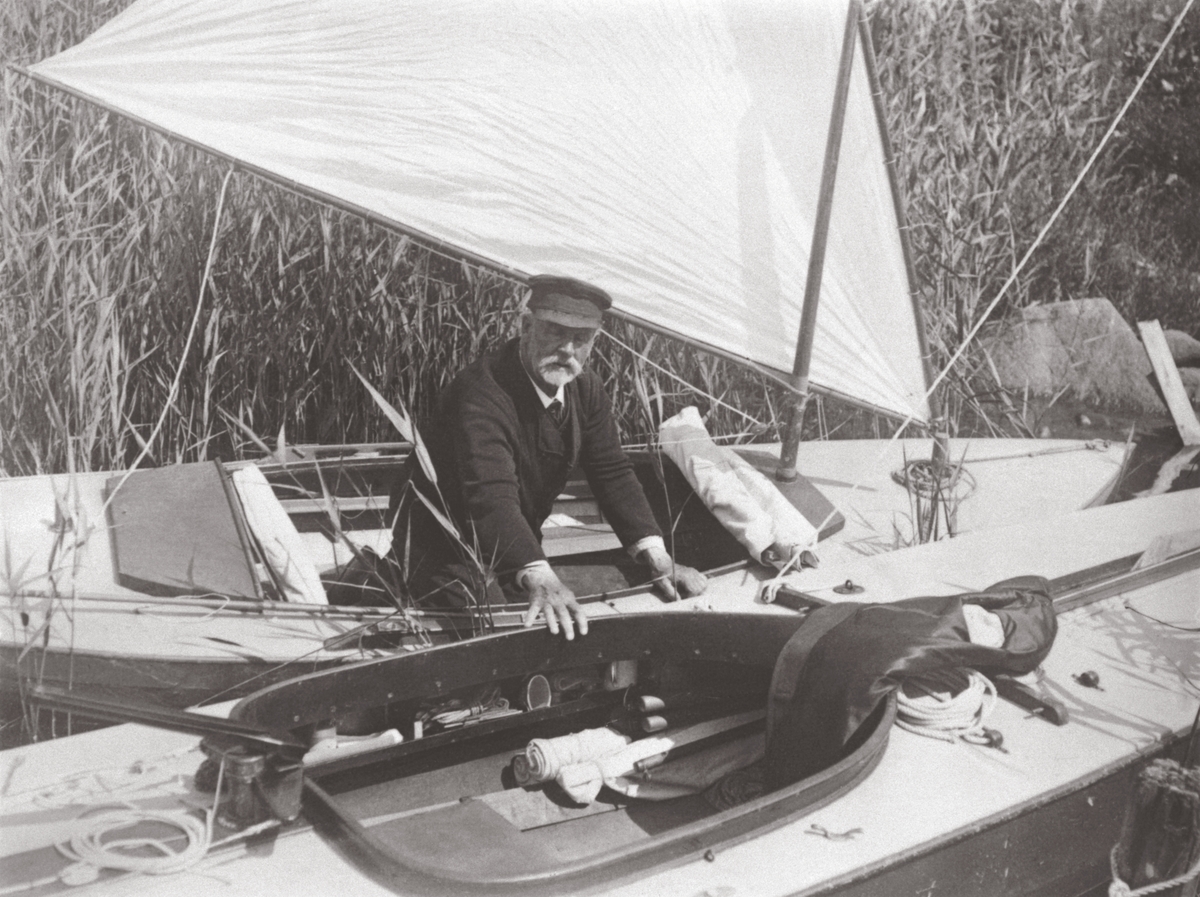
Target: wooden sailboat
x=105, y=605
x=683, y=170
x=437, y=808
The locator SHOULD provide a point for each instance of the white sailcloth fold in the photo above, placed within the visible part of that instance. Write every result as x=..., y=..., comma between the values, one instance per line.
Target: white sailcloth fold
x=670, y=152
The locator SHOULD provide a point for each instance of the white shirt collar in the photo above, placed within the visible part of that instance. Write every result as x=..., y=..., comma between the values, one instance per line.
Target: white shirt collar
x=560, y=396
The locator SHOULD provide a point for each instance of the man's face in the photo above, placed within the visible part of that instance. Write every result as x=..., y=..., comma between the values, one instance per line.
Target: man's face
x=553, y=354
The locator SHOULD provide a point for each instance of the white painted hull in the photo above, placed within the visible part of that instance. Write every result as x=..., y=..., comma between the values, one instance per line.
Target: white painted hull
x=925, y=800
x=100, y=633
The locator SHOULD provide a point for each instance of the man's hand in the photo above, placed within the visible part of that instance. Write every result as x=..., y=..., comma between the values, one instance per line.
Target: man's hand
x=675, y=580
x=548, y=596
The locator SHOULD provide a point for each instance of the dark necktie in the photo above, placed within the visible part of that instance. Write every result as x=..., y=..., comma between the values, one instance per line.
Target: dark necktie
x=558, y=413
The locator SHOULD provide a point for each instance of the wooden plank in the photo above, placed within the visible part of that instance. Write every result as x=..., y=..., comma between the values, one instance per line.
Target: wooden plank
x=1168, y=381
x=529, y=808
x=467, y=836
x=559, y=541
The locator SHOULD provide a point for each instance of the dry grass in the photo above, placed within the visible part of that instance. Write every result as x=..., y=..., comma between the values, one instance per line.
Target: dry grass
x=993, y=104
x=994, y=107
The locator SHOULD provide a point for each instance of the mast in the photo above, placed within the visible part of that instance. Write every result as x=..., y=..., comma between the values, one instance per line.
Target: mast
x=816, y=259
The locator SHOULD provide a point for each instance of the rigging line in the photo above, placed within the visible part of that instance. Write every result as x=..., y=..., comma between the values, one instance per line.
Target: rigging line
x=1062, y=204
x=174, y=391
x=1155, y=619
x=279, y=666
x=679, y=379
x=1091, y=445
x=1038, y=240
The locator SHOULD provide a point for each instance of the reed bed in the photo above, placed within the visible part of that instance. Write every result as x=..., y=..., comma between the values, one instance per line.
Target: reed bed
x=994, y=107
x=992, y=104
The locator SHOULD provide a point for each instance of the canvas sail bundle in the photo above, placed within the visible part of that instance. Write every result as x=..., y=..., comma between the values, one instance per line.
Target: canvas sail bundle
x=668, y=152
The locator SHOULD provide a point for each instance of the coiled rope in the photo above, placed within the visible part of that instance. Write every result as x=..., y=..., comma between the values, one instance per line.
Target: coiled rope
x=93, y=845
x=457, y=712
x=952, y=705
x=87, y=845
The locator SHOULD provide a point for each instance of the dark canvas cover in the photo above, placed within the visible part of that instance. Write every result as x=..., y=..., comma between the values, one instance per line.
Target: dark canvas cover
x=848, y=657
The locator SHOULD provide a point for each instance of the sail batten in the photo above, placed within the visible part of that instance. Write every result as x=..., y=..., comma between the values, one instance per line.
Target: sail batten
x=669, y=152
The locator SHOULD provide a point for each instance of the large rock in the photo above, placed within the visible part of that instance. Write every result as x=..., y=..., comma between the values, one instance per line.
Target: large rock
x=1185, y=348
x=1082, y=347
x=1191, y=384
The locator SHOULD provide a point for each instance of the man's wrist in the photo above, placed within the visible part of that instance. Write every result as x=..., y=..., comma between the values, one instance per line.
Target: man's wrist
x=646, y=544
x=534, y=568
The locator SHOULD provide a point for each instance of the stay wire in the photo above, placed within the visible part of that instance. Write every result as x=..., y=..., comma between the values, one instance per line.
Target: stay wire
x=982, y=319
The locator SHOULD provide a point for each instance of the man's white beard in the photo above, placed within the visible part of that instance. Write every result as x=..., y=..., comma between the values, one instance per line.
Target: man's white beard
x=556, y=373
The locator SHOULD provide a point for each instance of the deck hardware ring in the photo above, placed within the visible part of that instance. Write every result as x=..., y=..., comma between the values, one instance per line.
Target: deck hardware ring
x=955, y=483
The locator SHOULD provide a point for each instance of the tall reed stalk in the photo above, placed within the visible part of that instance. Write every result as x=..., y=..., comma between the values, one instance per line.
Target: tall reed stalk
x=105, y=228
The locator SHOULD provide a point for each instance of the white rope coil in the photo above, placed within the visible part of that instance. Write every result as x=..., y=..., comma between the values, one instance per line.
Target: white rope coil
x=457, y=712
x=93, y=842
x=952, y=705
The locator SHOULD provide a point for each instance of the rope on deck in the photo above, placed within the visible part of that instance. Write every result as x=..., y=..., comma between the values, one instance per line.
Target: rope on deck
x=953, y=705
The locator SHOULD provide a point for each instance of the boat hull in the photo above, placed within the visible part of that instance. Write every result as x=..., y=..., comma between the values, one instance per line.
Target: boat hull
x=931, y=817
x=729, y=652
x=103, y=634
x=1056, y=845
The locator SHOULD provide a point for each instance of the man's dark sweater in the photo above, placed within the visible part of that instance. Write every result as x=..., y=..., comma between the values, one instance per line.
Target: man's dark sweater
x=501, y=460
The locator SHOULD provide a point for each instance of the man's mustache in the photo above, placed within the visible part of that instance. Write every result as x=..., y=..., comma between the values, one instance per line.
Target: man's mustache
x=569, y=364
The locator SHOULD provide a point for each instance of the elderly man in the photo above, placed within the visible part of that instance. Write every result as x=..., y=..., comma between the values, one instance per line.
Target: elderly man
x=509, y=430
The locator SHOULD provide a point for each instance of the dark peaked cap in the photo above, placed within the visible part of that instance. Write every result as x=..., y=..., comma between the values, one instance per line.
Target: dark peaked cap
x=567, y=301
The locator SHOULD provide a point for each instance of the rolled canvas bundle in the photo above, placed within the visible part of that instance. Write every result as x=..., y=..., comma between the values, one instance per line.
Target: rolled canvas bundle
x=743, y=499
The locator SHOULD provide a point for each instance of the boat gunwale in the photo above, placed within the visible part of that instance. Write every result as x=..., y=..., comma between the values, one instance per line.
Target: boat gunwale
x=554, y=651
x=724, y=828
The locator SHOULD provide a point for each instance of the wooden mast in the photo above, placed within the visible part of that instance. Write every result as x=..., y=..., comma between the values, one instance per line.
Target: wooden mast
x=816, y=260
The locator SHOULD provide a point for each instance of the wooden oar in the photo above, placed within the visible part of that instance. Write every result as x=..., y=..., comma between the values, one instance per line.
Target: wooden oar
x=1067, y=594
x=1070, y=591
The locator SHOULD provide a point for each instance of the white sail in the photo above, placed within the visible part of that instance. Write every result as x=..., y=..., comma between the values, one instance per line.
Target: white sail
x=670, y=152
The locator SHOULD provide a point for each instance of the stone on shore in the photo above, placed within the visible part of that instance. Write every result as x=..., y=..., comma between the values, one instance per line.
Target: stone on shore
x=1191, y=384
x=1082, y=348
x=1185, y=348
